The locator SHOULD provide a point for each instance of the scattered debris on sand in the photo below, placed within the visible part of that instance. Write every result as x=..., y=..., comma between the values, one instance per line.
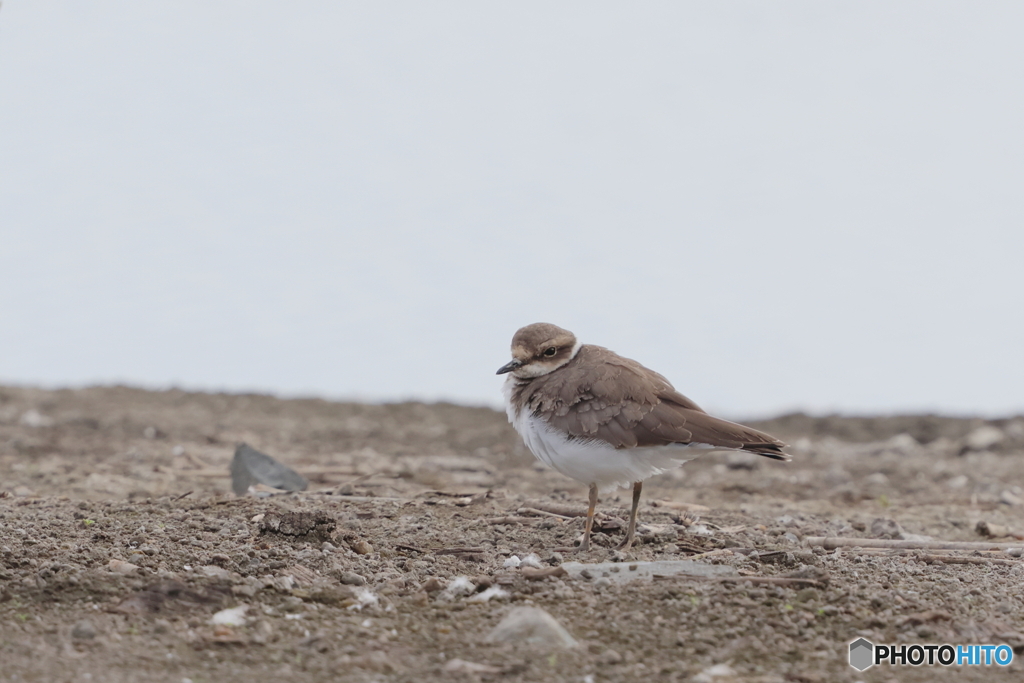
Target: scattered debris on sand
x=124, y=554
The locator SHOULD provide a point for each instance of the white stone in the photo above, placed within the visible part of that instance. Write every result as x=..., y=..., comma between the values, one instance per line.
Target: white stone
x=531, y=560
x=719, y=673
x=903, y=443
x=33, y=418
x=122, y=567
x=460, y=586
x=461, y=666
x=230, y=617
x=214, y=572
x=876, y=479
x=984, y=438
x=531, y=625
x=366, y=598
x=1010, y=497
x=496, y=592
x=958, y=482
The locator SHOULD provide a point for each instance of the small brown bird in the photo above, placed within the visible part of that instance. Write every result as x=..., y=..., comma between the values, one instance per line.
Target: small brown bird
x=608, y=421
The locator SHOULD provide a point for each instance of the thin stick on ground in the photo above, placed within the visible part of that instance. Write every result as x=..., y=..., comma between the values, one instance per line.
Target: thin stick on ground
x=557, y=508
x=525, y=521
x=674, y=505
x=994, y=530
x=771, y=580
x=457, y=551
x=959, y=559
x=543, y=513
x=831, y=543
x=947, y=559
x=899, y=552
x=711, y=553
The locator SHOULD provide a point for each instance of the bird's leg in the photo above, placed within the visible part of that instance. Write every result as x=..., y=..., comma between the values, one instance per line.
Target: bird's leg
x=631, y=529
x=585, y=545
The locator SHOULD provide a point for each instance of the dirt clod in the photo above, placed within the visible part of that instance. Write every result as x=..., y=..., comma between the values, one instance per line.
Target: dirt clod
x=310, y=525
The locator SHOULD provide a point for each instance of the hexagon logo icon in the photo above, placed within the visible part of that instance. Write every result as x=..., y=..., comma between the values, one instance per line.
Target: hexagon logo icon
x=862, y=654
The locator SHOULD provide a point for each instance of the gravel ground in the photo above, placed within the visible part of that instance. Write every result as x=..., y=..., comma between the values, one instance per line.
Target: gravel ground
x=120, y=541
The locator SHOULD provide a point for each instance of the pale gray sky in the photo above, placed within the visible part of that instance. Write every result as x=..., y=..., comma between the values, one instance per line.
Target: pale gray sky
x=777, y=205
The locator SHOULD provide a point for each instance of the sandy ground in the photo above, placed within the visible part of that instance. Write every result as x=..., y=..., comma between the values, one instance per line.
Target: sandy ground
x=120, y=540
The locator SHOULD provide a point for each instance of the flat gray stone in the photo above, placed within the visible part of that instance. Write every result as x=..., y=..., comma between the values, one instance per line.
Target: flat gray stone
x=249, y=467
x=624, y=572
x=531, y=625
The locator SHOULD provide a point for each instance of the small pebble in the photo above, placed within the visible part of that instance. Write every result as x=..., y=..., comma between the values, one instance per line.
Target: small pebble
x=121, y=567
x=531, y=560
x=361, y=547
x=83, y=630
x=983, y=438
x=1010, y=498
x=230, y=617
x=352, y=579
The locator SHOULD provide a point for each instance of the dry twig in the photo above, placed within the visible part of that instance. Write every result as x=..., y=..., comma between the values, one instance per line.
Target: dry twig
x=993, y=530
x=772, y=580
x=541, y=513
x=959, y=559
x=831, y=543
x=457, y=551
x=673, y=505
x=525, y=521
x=900, y=552
x=534, y=574
x=558, y=509
x=711, y=553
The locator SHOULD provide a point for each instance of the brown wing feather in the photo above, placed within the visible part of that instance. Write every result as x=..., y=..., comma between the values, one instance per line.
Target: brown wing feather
x=668, y=421
x=601, y=395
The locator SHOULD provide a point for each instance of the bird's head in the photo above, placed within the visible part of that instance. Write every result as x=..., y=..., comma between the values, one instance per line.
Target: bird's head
x=540, y=348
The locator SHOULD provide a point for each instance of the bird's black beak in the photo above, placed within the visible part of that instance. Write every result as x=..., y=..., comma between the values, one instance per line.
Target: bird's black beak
x=509, y=366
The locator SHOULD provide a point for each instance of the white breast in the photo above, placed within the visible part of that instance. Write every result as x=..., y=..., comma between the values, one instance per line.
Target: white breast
x=594, y=461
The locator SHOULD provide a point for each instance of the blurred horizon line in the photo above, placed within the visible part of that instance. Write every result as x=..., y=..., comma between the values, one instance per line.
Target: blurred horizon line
x=497, y=404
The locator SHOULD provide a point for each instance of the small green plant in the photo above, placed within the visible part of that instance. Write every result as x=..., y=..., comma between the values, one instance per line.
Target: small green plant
x=22, y=617
x=88, y=522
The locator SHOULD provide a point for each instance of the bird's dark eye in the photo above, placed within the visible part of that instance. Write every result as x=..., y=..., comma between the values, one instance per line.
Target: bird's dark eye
x=550, y=351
